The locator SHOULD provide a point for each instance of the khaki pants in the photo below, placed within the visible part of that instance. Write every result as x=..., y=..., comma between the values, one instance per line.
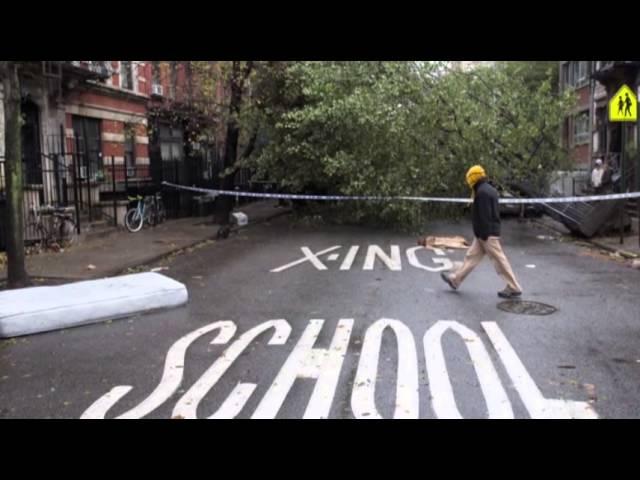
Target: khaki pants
x=494, y=251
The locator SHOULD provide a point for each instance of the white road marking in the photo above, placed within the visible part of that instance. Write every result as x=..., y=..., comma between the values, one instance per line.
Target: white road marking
x=407, y=390
x=325, y=365
x=393, y=263
x=234, y=403
x=100, y=407
x=187, y=405
x=308, y=362
x=171, y=376
x=534, y=401
x=443, y=400
x=348, y=260
x=413, y=260
x=308, y=257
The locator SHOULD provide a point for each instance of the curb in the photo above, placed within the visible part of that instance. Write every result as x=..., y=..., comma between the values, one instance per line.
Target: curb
x=146, y=261
x=594, y=243
x=159, y=257
x=623, y=253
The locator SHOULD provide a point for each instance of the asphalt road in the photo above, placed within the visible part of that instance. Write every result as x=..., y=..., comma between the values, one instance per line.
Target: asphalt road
x=344, y=334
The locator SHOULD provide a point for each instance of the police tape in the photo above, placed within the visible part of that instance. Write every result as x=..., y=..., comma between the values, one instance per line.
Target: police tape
x=292, y=196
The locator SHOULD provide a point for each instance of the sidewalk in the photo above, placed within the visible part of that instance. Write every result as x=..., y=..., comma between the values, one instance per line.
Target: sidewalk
x=629, y=249
x=115, y=253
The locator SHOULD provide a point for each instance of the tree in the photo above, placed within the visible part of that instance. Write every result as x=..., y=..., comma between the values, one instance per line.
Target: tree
x=211, y=102
x=406, y=129
x=237, y=80
x=16, y=271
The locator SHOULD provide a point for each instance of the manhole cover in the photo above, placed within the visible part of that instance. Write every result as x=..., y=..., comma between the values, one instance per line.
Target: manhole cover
x=522, y=307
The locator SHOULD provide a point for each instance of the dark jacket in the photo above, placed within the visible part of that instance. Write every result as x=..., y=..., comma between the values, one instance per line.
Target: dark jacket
x=485, y=214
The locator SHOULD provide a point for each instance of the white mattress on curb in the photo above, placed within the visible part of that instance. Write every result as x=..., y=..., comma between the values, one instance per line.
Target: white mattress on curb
x=40, y=309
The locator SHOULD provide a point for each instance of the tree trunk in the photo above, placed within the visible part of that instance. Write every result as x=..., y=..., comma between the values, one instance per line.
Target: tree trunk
x=16, y=270
x=237, y=81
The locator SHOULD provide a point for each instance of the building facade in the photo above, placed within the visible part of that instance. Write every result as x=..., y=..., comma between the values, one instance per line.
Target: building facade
x=95, y=131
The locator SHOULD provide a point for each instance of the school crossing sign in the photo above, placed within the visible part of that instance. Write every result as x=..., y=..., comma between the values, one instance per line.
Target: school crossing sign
x=623, y=106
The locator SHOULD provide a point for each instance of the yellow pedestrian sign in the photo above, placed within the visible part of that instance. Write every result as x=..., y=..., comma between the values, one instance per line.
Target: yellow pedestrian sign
x=623, y=106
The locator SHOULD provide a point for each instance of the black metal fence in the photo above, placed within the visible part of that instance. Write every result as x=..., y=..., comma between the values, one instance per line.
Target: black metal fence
x=96, y=188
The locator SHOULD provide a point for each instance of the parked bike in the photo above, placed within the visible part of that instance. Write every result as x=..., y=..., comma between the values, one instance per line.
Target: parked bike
x=149, y=210
x=55, y=225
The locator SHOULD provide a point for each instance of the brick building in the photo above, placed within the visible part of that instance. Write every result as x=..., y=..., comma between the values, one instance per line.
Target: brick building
x=95, y=131
x=587, y=133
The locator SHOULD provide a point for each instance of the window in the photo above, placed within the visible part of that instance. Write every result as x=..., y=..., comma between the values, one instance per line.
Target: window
x=578, y=74
x=602, y=64
x=130, y=152
x=171, y=143
x=581, y=128
x=565, y=74
x=126, y=75
x=88, y=146
x=174, y=80
x=155, y=73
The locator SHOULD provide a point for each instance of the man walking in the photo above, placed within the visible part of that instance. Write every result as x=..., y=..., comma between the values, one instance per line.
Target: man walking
x=486, y=229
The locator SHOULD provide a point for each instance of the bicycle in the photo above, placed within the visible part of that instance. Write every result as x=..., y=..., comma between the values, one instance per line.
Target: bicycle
x=149, y=210
x=61, y=229
x=161, y=212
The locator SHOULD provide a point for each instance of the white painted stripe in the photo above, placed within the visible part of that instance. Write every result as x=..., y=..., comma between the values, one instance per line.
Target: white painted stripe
x=535, y=403
x=235, y=402
x=142, y=140
x=308, y=256
x=413, y=260
x=319, y=405
x=443, y=400
x=295, y=364
x=187, y=406
x=100, y=407
x=142, y=161
x=171, y=376
x=393, y=263
x=407, y=391
x=348, y=260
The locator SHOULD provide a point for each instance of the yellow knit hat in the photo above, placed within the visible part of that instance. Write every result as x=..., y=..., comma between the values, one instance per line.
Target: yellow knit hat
x=474, y=174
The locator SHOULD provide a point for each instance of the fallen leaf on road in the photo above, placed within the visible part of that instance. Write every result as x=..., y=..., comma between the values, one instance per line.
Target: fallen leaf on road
x=591, y=390
x=91, y=267
x=159, y=269
x=530, y=266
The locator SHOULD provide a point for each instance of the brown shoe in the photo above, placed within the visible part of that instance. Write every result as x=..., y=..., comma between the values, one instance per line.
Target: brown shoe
x=508, y=293
x=447, y=279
